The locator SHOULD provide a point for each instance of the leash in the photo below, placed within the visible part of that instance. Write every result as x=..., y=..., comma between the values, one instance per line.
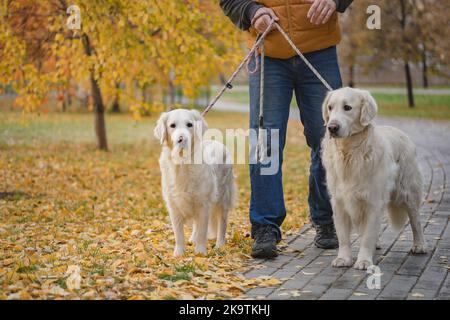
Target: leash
x=260, y=155
x=255, y=46
x=259, y=43
x=228, y=84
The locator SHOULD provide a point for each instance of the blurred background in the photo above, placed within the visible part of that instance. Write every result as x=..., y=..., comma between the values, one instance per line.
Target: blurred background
x=146, y=56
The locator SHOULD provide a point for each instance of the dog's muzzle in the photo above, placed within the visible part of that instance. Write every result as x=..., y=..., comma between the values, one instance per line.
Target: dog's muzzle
x=333, y=128
x=181, y=138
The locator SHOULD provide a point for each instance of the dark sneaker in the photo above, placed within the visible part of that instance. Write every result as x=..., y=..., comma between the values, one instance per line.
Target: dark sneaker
x=325, y=236
x=265, y=245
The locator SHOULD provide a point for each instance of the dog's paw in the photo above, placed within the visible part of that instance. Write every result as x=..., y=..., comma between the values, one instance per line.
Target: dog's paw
x=420, y=248
x=219, y=244
x=200, y=249
x=178, y=252
x=362, y=264
x=342, y=262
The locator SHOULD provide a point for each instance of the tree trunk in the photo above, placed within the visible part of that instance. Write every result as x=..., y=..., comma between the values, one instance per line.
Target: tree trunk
x=99, y=107
x=68, y=98
x=222, y=79
x=144, y=93
x=409, y=85
x=208, y=94
x=424, y=69
x=99, y=115
x=351, y=73
x=171, y=94
x=179, y=92
x=115, y=106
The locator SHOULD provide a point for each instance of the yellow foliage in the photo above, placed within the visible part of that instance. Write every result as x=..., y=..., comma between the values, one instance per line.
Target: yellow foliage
x=134, y=42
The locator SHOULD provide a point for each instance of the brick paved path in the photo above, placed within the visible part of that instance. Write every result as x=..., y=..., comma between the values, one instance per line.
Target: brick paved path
x=306, y=271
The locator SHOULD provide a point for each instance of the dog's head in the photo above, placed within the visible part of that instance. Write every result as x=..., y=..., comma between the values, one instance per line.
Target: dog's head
x=348, y=111
x=178, y=129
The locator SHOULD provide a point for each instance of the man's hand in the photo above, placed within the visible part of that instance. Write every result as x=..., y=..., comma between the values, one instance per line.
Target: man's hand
x=262, y=18
x=321, y=11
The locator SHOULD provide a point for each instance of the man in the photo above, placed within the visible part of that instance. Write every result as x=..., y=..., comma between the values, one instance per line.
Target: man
x=313, y=26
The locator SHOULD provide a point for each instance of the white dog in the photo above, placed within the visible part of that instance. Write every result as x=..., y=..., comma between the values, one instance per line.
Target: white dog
x=197, y=179
x=370, y=170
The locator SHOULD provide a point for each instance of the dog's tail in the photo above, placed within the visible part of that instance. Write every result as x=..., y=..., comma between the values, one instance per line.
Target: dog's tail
x=398, y=215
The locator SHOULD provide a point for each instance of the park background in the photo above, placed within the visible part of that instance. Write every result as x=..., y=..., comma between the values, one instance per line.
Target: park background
x=81, y=212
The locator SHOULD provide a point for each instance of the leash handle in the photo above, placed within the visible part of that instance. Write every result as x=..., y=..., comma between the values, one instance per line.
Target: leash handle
x=228, y=84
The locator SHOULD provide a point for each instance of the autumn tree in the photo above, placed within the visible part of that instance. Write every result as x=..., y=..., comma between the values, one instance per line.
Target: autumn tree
x=412, y=32
x=431, y=16
x=133, y=43
x=355, y=38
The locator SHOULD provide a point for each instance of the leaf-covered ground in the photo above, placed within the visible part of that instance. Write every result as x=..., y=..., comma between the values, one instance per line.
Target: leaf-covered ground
x=76, y=223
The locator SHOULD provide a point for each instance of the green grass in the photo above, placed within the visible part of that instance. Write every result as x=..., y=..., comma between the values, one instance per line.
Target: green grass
x=181, y=272
x=427, y=106
x=54, y=128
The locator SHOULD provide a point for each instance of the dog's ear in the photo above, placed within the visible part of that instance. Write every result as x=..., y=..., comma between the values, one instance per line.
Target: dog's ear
x=201, y=124
x=325, y=112
x=160, y=130
x=369, y=108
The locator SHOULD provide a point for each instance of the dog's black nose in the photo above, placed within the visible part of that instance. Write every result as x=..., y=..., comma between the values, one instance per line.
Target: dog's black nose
x=180, y=139
x=333, y=127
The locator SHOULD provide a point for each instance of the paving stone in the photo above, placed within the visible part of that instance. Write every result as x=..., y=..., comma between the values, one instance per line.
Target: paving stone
x=260, y=272
x=282, y=273
x=281, y=294
x=414, y=265
x=336, y=294
x=392, y=261
x=279, y=261
x=293, y=265
x=442, y=214
x=307, y=256
x=402, y=244
x=431, y=241
x=350, y=279
x=431, y=279
x=298, y=281
x=301, y=243
x=263, y=291
x=312, y=292
x=321, y=262
x=435, y=226
x=321, y=280
x=387, y=238
x=444, y=293
x=364, y=294
x=398, y=288
x=421, y=294
x=332, y=271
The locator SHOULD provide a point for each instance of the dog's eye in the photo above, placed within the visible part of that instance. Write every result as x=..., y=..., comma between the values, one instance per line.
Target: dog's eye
x=173, y=125
x=329, y=108
x=347, y=108
x=189, y=125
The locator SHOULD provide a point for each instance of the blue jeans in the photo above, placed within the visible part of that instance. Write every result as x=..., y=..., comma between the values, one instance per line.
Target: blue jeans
x=282, y=78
